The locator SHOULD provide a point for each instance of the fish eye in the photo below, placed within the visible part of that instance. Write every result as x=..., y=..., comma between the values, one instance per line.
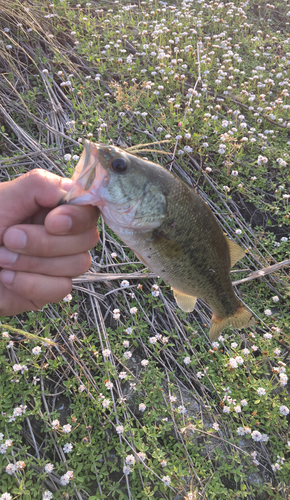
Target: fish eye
x=119, y=165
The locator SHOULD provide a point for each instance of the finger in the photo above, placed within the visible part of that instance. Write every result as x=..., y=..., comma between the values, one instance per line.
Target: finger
x=32, y=291
x=22, y=197
x=11, y=303
x=34, y=240
x=70, y=266
x=71, y=219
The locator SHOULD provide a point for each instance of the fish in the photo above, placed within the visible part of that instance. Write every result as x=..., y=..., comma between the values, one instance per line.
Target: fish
x=167, y=225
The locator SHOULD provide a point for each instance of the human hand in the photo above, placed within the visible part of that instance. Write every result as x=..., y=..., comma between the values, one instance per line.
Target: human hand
x=41, y=247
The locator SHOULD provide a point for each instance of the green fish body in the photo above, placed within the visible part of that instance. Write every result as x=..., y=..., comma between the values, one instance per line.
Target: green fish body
x=167, y=225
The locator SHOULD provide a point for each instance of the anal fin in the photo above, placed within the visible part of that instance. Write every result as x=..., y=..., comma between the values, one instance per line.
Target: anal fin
x=185, y=302
x=236, y=252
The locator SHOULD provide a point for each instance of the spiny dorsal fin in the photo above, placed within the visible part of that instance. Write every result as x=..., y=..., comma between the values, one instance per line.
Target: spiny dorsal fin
x=236, y=252
x=185, y=302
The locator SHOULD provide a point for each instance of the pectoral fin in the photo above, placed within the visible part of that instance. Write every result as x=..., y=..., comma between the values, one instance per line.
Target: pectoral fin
x=236, y=252
x=185, y=302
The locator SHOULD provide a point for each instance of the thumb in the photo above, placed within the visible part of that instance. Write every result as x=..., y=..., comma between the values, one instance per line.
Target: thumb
x=24, y=196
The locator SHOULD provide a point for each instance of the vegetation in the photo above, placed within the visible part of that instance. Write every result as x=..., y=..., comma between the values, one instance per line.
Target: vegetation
x=129, y=399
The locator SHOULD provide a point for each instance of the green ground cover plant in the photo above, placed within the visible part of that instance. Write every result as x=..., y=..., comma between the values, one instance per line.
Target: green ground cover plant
x=115, y=392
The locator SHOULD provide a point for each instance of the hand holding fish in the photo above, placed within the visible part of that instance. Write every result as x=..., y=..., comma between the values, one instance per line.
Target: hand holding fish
x=41, y=247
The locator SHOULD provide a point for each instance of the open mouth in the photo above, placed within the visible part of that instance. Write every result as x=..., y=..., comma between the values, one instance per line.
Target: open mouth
x=88, y=177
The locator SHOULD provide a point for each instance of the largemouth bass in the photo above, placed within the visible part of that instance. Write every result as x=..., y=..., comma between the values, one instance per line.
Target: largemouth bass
x=167, y=225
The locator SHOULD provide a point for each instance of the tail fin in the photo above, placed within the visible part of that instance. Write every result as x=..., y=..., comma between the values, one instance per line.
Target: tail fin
x=241, y=319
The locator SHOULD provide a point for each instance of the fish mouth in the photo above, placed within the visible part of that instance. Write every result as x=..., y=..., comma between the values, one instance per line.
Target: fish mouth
x=88, y=177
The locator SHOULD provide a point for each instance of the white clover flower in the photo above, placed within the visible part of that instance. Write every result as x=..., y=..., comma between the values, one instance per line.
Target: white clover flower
x=281, y=162
x=275, y=298
x=67, y=158
x=244, y=402
x=166, y=480
x=182, y=409
x=10, y=469
x=3, y=449
x=240, y=431
x=116, y=314
x=126, y=470
x=133, y=310
x=262, y=160
x=47, y=495
x=226, y=409
x=36, y=350
x=142, y=407
x=17, y=412
x=125, y=284
x=106, y=403
x=233, y=363
x=16, y=368
x=109, y=385
x=67, y=448
x=277, y=352
x=144, y=362
x=122, y=375
x=55, y=424
x=130, y=460
x=66, y=428
x=261, y=391
x=215, y=426
x=267, y=336
x=239, y=360
x=256, y=435
x=268, y=312
x=120, y=429
x=173, y=399
x=127, y=354
x=283, y=379
x=187, y=360
x=65, y=479
x=106, y=353
x=153, y=340
x=237, y=409
x=215, y=345
x=49, y=468
x=284, y=410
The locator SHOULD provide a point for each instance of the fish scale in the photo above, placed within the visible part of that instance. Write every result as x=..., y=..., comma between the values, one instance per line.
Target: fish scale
x=168, y=226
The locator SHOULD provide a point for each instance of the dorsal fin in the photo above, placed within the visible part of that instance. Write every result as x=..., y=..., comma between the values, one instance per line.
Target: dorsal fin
x=236, y=252
x=185, y=302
